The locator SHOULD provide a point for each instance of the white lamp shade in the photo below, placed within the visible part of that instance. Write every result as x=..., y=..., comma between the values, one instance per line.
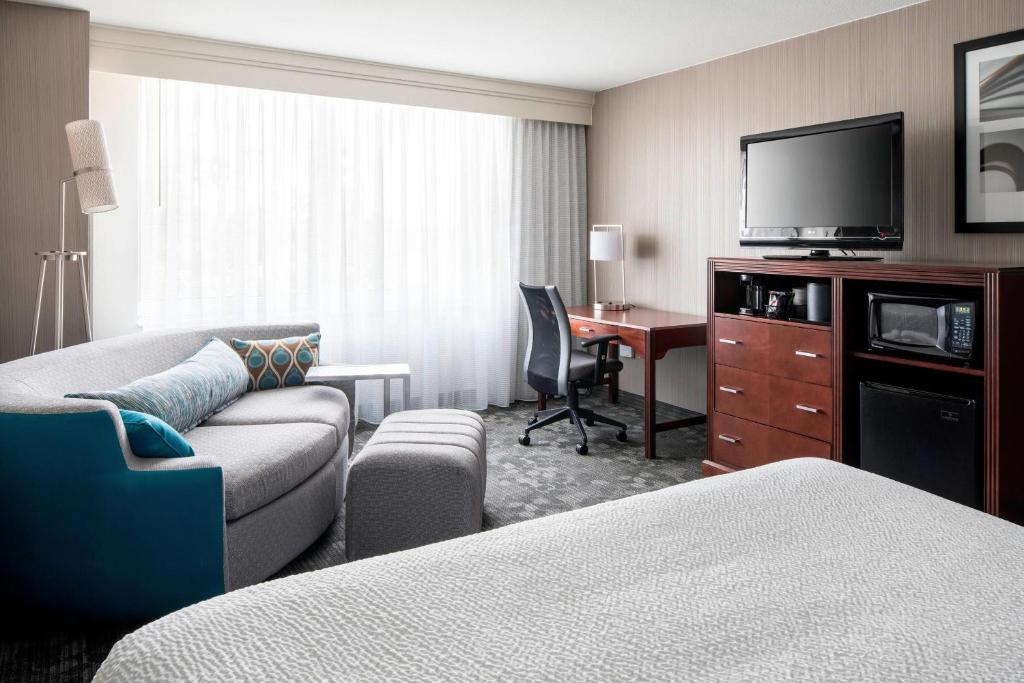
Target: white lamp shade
x=91, y=165
x=605, y=245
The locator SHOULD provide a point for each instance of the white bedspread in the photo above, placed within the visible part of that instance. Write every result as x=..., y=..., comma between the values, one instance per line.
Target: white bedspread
x=802, y=570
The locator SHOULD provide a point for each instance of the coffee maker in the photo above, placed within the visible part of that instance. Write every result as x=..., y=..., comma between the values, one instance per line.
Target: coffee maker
x=755, y=296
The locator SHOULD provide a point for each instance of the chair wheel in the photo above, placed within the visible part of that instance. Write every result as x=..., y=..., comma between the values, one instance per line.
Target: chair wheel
x=621, y=436
x=581, y=448
x=532, y=420
x=589, y=422
x=524, y=439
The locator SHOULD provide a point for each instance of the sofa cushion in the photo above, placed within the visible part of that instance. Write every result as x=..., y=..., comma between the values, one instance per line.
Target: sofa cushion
x=277, y=363
x=186, y=394
x=116, y=361
x=433, y=428
x=262, y=462
x=151, y=437
x=314, y=403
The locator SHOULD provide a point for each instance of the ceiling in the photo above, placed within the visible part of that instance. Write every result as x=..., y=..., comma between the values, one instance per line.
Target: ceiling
x=586, y=44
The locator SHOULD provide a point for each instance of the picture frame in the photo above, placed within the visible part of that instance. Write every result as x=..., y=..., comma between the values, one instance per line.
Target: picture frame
x=989, y=120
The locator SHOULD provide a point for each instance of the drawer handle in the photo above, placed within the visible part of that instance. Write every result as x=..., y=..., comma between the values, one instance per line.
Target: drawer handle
x=731, y=390
x=728, y=439
x=808, y=409
x=586, y=329
x=806, y=354
x=734, y=342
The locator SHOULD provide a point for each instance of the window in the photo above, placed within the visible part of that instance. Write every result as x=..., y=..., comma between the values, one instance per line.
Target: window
x=401, y=230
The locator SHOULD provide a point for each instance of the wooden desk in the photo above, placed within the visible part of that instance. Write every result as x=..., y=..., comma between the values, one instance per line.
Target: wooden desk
x=651, y=334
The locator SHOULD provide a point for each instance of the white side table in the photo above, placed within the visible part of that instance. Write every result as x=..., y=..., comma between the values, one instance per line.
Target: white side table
x=344, y=377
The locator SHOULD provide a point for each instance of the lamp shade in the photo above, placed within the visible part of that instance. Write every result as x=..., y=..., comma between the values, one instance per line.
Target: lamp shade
x=91, y=165
x=605, y=245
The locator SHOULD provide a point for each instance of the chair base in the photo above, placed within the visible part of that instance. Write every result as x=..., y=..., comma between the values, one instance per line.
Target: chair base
x=576, y=416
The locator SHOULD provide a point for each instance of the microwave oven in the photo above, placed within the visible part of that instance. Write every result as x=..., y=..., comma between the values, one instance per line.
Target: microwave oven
x=922, y=325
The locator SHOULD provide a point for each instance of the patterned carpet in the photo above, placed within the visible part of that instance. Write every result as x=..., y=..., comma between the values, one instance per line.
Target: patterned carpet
x=522, y=483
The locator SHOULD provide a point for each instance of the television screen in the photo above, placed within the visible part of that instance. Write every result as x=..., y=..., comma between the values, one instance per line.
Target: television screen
x=838, y=185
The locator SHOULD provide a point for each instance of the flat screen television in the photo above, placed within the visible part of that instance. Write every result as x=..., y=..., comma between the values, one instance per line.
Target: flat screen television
x=830, y=186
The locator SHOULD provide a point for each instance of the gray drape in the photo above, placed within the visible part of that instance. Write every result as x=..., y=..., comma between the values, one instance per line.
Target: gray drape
x=549, y=216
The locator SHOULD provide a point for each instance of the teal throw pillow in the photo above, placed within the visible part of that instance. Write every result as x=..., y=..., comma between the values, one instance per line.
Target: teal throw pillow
x=185, y=395
x=151, y=437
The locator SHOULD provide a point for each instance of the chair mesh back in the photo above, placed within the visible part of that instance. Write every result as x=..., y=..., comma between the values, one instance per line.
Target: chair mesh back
x=549, y=343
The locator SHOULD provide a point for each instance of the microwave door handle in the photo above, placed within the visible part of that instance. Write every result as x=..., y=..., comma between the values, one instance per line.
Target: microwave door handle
x=874, y=328
x=944, y=319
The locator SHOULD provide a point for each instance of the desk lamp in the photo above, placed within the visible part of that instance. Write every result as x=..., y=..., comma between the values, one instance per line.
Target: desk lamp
x=606, y=244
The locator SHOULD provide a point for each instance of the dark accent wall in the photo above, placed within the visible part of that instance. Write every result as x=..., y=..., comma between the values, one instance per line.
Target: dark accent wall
x=664, y=152
x=44, y=83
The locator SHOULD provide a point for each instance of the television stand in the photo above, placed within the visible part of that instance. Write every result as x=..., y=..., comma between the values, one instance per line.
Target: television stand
x=774, y=366
x=819, y=255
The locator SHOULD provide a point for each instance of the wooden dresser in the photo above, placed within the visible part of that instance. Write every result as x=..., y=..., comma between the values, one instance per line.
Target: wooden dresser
x=771, y=388
x=781, y=389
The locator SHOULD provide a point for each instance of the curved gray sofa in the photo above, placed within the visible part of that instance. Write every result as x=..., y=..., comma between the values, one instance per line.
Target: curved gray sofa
x=87, y=527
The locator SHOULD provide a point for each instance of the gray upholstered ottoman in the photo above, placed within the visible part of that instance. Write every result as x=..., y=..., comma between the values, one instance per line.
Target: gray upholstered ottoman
x=419, y=479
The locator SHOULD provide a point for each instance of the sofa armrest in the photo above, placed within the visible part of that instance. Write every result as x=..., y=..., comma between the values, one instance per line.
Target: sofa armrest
x=83, y=534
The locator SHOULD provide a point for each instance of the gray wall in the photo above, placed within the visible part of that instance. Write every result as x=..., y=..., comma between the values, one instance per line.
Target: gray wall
x=664, y=152
x=44, y=83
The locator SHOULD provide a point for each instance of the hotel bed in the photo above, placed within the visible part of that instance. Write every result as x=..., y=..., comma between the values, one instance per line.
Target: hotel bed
x=805, y=569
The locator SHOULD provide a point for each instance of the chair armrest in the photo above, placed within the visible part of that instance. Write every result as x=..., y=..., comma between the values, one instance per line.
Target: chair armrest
x=601, y=339
x=602, y=342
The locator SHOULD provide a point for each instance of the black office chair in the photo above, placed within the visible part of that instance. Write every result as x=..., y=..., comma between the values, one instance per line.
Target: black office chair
x=552, y=367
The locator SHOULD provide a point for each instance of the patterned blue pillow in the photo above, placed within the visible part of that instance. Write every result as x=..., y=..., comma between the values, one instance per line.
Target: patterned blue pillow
x=276, y=363
x=186, y=394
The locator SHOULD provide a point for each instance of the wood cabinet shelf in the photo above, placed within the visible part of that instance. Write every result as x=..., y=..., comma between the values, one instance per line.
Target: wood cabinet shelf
x=915, y=363
x=772, y=321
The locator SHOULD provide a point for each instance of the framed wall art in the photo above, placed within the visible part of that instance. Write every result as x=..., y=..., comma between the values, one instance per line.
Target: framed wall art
x=989, y=84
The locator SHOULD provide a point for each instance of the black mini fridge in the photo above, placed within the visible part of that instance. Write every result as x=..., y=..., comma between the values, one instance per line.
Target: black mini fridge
x=926, y=440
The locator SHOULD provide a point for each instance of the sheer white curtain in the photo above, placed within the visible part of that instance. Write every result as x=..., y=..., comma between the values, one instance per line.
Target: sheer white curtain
x=401, y=230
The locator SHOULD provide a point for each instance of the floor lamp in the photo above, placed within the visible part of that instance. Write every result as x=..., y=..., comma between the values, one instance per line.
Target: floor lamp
x=95, y=195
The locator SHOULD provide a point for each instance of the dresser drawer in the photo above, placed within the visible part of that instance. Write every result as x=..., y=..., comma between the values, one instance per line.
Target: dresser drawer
x=709, y=468
x=587, y=329
x=741, y=343
x=741, y=443
x=801, y=407
x=800, y=353
x=742, y=393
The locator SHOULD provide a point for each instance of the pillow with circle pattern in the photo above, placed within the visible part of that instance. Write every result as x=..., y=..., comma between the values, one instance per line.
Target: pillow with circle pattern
x=276, y=363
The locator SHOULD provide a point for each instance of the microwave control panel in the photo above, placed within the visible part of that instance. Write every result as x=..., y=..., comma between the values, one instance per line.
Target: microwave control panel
x=961, y=328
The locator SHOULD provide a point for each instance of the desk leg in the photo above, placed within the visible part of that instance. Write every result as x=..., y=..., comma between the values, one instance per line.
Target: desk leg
x=650, y=402
x=387, y=396
x=613, y=380
x=406, y=389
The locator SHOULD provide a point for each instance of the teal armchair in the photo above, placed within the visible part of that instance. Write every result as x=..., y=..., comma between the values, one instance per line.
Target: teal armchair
x=87, y=536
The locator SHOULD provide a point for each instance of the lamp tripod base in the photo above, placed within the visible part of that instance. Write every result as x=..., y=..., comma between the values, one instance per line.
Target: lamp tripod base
x=59, y=259
x=612, y=306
